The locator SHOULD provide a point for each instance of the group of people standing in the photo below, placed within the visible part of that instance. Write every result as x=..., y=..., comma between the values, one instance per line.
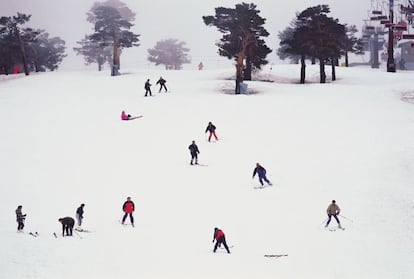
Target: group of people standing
x=161, y=82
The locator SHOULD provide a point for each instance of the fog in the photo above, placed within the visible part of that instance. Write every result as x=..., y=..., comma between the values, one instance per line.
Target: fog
x=161, y=19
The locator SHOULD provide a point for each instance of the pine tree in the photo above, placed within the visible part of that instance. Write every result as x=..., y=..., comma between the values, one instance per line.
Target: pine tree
x=170, y=53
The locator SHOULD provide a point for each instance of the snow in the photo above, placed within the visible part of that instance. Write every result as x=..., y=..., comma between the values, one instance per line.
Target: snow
x=351, y=140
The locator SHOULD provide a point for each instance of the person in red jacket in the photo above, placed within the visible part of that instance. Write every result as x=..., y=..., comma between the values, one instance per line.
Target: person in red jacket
x=220, y=238
x=128, y=208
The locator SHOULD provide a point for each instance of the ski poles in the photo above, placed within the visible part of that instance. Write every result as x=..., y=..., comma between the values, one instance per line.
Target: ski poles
x=346, y=218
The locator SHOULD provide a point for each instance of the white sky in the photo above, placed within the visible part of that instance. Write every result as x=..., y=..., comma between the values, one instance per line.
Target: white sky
x=181, y=19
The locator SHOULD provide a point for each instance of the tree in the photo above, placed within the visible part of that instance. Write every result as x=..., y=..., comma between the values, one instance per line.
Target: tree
x=324, y=36
x=17, y=37
x=121, y=7
x=111, y=29
x=283, y=50
x=170, y=53
x=242, y=28
x=46, y=53
x=93, y=52
x=352, y=44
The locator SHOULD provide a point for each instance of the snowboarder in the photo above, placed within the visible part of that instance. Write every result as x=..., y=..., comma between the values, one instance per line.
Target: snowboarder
x=212, y=129
x=220, y=238
x=261, y=173
x=333, y=210
x=128, y=208
x=125, y=116
x=162, y=82
x=67, y=225
x=194, y=152
x=79, y=214
x=147, y=87
x=20, y=217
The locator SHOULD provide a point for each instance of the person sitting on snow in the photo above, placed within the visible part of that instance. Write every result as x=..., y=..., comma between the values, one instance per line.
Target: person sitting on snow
x=125, y=116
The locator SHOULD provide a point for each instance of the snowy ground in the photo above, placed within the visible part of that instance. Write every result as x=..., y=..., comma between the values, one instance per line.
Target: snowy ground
x=62, y=144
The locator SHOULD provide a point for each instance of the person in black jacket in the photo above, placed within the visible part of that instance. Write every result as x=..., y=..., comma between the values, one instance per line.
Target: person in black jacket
x=194, y=152
x=212, y=129
x=67, y=225
x=79, y=214
x=261, y=173
x=220, y=238
x=147, y=87
x=162, y=82
x=20, y=217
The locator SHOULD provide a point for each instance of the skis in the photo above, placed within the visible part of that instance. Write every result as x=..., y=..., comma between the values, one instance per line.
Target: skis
x=335, y=229
x=198, y=164
x=34, y=234
x=275, y=255
x=82, y=230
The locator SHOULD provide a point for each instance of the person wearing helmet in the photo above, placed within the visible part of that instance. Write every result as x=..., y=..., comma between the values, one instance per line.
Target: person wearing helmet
x=220, y=238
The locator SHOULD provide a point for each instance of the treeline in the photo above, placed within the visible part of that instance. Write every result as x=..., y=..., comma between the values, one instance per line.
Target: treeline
x=27, y=49
x=312, y=35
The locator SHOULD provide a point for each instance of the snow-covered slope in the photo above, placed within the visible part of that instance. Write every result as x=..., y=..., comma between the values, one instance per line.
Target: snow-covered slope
x=62, y=144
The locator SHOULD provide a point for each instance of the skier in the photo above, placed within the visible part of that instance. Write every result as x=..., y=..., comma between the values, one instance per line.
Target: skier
x=162, y=82
x=220, y=238
x=125, y=116
x=147, y=88
x=67, y=225
x=20, y=217
x=194, y=152
x=333, y=210
x=128, y=208
x=261, y=173
x=79, y=214
x=212, y=129
x=200, y=66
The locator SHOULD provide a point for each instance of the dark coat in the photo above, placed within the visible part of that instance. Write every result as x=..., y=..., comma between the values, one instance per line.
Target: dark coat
x=67, y=222
x=161, y=81
x=210, y=128
x=193, y=148
x=19, y=215
x=261, y=171
x=79, y=211
x=147, y=85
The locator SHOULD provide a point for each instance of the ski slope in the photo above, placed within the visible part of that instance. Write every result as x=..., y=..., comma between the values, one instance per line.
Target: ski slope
x=62, y=144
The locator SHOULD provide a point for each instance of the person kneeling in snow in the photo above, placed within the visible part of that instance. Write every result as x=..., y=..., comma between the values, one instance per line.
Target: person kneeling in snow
x=67, y=225
x=220, y=238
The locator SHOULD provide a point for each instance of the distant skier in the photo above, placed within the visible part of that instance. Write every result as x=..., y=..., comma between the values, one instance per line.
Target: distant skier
x=147, y=87
x=194, y=152
x=125, y=116
x=20, y=217
x=261, y=173
x=79, y=214
x=67, y=225
x=162, y=82
x=220, y=238
x=212, y=129
x=333, y=210
x=200, y=66
x=128, y=208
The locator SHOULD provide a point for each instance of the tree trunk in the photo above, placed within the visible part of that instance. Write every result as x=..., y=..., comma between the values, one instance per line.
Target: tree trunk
x=322, y=71
x=333, y=69
x=22, y=52
x=302, y=69
x=247, y=74
x=346, y=59
x=115, y=56
x=239, y=71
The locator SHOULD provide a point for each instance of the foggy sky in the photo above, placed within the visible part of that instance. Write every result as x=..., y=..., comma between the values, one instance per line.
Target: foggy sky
x=163, y=19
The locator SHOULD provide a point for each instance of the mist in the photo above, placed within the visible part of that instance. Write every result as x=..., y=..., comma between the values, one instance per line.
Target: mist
x=160, y=19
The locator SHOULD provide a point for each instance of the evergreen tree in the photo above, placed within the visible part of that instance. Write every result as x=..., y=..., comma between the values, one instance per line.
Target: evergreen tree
x=242, y=28
x=170, y=53
x=15, y=38
x=111, y=29
x=352, y=44
x=46, y=53
x=93, y=52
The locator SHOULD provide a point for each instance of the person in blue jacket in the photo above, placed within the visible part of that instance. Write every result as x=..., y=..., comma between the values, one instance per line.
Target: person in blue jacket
x=261, y=173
